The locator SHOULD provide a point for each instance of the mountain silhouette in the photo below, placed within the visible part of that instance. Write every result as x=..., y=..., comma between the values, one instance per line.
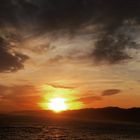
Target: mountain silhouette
x=89, y=114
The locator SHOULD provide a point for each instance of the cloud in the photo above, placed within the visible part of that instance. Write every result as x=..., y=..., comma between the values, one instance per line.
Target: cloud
x=10, y=61
x=60, y=86
x=111, y=43
x=17, y=90
x=43, y=16
x=89, y=99
x=70, y=14
x=111, y=49
x=18, y=97
x=110, y=92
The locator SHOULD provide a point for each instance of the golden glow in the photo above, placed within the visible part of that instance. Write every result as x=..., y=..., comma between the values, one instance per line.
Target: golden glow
x=59, y=98
x=57, y=104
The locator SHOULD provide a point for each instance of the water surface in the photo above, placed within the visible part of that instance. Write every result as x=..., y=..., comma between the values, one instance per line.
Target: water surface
x=70, y=131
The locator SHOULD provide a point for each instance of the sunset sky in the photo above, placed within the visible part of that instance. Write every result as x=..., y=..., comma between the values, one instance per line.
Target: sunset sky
x=85, y=51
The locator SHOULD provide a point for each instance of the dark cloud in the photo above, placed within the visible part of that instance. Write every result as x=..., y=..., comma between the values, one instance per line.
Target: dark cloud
x=110, y=92
x=112, y=49
x=7, y=12
x=73, y=15
x=14, y=12
x=10, y=61
x=56, y=14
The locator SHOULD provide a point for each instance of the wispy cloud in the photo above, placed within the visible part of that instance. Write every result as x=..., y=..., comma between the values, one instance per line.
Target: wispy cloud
x=89, y=99
x=17, y=97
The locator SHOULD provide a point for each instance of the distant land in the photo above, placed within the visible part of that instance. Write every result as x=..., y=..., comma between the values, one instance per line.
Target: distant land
x=100, y=114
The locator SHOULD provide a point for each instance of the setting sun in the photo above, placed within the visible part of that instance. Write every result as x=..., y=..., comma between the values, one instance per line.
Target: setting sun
x=57, y=104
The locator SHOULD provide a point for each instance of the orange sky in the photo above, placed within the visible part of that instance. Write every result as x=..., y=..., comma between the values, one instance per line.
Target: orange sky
x=81, y=82
x=91, y=60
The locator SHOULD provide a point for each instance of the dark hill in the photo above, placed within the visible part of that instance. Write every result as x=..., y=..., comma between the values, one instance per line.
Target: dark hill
x=100, y=114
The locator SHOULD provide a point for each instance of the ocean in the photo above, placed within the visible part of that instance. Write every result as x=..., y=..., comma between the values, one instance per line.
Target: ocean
x=70, y=130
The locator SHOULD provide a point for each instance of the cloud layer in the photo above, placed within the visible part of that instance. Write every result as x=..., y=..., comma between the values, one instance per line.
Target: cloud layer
x=109, y=19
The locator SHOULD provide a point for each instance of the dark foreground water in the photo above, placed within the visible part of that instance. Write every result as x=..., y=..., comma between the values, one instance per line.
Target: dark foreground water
x=70, y=131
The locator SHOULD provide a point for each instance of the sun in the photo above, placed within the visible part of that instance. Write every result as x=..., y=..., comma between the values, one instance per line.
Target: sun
x=57, y=104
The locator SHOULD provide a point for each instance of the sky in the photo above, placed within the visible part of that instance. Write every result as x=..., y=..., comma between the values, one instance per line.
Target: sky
x=86, y=51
